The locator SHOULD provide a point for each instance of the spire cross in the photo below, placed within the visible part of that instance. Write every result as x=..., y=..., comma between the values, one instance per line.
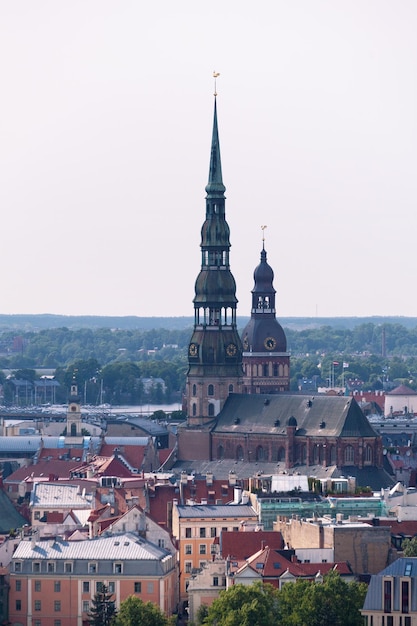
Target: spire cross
x=215, y=76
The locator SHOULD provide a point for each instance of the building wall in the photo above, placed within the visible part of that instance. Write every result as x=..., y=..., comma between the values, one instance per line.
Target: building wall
x=194, y=444
x=365, y=547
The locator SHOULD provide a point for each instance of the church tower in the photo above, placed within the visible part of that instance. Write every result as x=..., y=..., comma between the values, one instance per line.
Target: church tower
x=266, y=362
x=215, y=349
x=74, y=423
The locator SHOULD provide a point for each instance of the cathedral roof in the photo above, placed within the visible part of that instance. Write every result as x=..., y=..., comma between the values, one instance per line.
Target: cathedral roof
x=319, y=416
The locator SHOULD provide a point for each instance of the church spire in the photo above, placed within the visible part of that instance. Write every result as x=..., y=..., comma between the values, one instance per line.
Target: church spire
x=215, y=187
x=215, y=350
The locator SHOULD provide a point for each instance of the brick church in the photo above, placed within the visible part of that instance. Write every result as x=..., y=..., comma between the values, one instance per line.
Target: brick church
x=239, y=407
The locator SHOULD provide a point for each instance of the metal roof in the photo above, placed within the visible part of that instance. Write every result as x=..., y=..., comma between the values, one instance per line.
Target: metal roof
x=126, y=547
x=59, y=495
x=216, y=510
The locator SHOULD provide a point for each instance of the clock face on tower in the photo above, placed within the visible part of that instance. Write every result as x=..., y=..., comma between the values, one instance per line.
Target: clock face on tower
x=270, y=343
x=231, y=349
x=193, y=349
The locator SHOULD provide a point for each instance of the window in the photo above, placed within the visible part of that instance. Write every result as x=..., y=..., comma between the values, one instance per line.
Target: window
x=150, y=587
x=92, y=568
x=215, y=581
x=390, y=620
x=202, y=532
x=36, y=567
x=51, y=567
x=57, y=586
x=18, y=567
x=188, y=533
x=18, y=605
x=235, y=529
x=188, y=548
x=203, y=548
x=211, y=410
x=194, y=390
x=18, y=585
x=57, y=622
x=112, y=586
x=138, y=587
x=37, y=585
x=405, y=596
x=349, y=455
x=57, y=606
x=188, y=567
x=161, y=543
x=86, y=586
x=117, y=568
x=38, y=605
x=37, y=515
x=37, y=622
x=213, y=531
x=387, y=596
x=230, y=388
x=99, y=587
x=86, y=606
x=68, y=568
x=210, y=390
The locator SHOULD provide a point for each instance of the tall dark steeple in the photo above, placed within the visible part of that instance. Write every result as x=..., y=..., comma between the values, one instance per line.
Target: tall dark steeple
x=266, y=362
x=215, y=350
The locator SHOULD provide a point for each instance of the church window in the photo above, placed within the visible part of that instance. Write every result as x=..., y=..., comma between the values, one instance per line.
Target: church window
x=275, y=369
x=368, y=454
x=220, y=452
x=280, y=370
x=194, y=390
x=239, y=453
x=211, y=410
x=261, y=454
x=194, y=409
x=265, y=368
x=281, y=454
x=349, y=455
x=316, y=454
x=332, y=455
x=285, y=370
x=230, y=388
x=210, y=390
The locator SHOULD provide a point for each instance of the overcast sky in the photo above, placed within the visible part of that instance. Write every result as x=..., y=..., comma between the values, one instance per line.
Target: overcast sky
x=106, y=113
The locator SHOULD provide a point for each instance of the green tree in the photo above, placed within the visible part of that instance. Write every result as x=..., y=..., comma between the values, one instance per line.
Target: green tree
x=410, y=547
x=330, y=603
x=134, y=612
x=241, y=605
x=103, y=610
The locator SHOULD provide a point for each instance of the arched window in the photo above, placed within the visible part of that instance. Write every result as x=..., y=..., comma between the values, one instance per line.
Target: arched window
x=265, y=369
x=275, y=370
x=316, y=454
x=281, y=454
x=194, y=409
x=194, y=390
x=210, y=390
x=73, y=430
x=261, y=454
x=230, y=388
x=332, y=455
x=239, y=453
x=349, y=455
x=281, y=370
x=220, y=453
x=368, y=454
x=211, y=410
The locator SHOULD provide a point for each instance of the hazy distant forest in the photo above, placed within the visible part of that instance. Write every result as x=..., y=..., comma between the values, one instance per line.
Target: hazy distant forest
x=111, y=363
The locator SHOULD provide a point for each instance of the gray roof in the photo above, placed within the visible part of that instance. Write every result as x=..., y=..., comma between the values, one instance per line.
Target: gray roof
x=318, y=416
x=374, y=600
x=126, y=441
x=216, y=510
x=59, y=495
x=126, y=547
x=153, y=428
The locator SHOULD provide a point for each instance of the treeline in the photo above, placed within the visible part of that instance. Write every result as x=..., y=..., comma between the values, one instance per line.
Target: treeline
x=113, y=365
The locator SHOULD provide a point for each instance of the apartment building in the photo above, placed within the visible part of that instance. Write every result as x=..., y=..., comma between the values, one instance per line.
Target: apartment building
x=196, y=528
x=53, y=582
